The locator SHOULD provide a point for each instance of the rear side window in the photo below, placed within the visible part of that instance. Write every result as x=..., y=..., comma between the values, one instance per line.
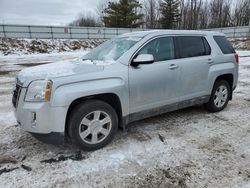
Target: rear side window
x=192, y=46
x=224, y=45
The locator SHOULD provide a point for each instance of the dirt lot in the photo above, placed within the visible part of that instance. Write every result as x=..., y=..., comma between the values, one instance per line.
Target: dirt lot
x=186, y=148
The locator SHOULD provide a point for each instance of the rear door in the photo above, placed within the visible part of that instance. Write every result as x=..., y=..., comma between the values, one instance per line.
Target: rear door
x=194, y=55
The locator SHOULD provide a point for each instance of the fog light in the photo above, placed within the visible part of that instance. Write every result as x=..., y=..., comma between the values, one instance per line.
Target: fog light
x=33, y=121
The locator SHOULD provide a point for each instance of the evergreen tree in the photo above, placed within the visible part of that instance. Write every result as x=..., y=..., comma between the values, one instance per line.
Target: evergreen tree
x=170, y=13
x=122, y=14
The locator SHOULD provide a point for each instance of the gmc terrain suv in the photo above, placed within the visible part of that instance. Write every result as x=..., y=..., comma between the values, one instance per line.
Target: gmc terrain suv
x=130, y=77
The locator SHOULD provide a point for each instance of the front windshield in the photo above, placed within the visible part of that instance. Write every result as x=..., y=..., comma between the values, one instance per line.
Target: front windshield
x=111, y=50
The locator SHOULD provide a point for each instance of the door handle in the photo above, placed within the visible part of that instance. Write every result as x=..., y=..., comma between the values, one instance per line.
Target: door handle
x=173, y=66
x=209, y=61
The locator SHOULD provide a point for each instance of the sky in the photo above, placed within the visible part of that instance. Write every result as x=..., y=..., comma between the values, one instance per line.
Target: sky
x=44, y=12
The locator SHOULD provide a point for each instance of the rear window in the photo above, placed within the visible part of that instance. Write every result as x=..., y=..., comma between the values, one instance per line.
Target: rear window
x=192, y=46
x=224, y=45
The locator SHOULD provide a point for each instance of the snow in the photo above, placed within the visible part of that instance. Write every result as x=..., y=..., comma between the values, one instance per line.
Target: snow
x=241, y=43
x=11, y=46
x=244, y=54
x=30, y=58
x=64, y=68
x=200, y=149
x=7, y=118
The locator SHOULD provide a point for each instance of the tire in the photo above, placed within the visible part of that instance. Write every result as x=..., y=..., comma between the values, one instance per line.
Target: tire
x=92, y=125
x=219, y=97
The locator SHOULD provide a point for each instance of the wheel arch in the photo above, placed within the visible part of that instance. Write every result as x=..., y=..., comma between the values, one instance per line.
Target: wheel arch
x=230, y=79
x=110, y=98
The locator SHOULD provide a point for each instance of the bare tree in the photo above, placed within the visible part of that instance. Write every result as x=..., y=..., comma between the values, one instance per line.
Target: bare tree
x=226, y=14
x=204, y=16
x=100, y=10
x=152, y=13
x=85, y=20
x=184, y=6
x=180, y=25
x=190, y=13
x=194, y=14
x=242, y=13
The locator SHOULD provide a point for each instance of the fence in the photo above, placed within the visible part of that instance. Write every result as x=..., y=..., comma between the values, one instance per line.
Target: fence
x=234, y=32
x=56, y=32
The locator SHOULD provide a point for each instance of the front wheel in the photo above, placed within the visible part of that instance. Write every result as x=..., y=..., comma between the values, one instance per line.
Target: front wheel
x=219, y=97
x=92, y=125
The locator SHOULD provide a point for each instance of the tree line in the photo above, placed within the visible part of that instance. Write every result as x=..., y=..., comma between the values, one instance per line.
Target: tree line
x=168, y=14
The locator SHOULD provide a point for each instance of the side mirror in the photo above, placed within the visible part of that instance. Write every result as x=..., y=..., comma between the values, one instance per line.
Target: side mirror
x=143, y=59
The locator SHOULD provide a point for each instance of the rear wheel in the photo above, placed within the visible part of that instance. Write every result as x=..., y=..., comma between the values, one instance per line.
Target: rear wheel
x=219, y=97
x=92, y=124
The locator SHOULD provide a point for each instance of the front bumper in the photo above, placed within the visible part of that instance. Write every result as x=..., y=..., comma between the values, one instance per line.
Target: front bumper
x=40, y=118
x=51, y=138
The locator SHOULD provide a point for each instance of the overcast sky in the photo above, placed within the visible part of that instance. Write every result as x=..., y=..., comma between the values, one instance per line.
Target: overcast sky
x=44, y=12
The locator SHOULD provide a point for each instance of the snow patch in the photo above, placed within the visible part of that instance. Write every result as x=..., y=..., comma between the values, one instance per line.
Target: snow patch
x=48, y=70
x=20, y=47
x=7, y=118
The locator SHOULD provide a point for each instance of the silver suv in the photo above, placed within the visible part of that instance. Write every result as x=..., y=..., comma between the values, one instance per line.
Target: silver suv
x=130, y=77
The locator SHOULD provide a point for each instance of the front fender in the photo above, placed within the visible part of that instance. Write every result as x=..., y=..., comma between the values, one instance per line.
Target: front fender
x=65, y=94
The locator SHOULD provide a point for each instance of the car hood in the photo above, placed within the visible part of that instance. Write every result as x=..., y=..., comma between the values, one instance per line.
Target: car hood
x=60, y=69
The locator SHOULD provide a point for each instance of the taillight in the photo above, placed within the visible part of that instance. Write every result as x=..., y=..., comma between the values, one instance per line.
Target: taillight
x=236, y=56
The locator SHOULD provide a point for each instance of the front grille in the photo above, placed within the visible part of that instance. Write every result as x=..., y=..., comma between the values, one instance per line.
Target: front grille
x=16, y=94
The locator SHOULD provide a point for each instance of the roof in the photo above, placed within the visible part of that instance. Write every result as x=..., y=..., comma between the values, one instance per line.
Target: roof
x=171, y=32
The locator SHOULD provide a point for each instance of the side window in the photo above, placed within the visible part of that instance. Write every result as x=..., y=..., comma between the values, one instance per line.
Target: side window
x=224, y=45
x=161, y=48
x=192, y=46
x=207, y=47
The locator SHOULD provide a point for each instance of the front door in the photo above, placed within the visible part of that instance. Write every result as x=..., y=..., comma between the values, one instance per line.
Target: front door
x=155, y=85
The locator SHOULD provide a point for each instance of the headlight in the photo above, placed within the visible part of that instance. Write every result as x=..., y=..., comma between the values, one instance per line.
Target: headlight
x=39, y=90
